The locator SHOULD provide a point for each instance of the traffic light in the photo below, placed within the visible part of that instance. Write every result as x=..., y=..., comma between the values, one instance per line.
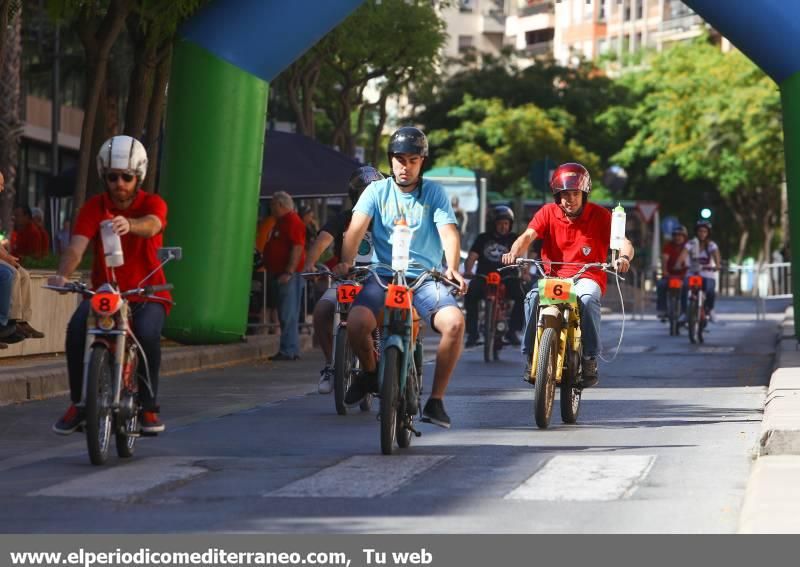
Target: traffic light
x=705, y=213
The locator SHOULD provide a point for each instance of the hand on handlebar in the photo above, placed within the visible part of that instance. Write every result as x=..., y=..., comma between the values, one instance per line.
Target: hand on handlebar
x=57, y=281
x=342, y=268
x=622, y=265
x=456, y=277
x=509, y=258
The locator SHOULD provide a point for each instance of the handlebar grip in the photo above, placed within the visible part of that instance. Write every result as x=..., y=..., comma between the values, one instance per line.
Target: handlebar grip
x=151, y=289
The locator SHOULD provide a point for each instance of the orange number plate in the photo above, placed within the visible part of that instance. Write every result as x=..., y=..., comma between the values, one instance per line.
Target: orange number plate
x=106, y=303
x=398, y=297
x=675, y=283
x=553, y=290
x=493, y=278
x=695, y=281
x=347, y=293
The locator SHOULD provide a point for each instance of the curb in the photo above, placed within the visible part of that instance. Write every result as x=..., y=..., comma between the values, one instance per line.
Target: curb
x=49, y=379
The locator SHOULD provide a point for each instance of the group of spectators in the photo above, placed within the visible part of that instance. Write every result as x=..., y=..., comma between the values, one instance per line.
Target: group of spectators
x=28, y=240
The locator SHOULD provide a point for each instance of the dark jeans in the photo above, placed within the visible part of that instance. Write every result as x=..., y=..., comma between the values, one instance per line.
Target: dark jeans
x=477, y=291
x=148, y=321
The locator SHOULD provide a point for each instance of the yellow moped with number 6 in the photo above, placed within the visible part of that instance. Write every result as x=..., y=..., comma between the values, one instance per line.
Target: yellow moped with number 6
x=557, y=351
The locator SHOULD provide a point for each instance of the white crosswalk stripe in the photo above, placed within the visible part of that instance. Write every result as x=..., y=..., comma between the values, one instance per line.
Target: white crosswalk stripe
x=123, y=482
x=360, y=477
x=585, y=477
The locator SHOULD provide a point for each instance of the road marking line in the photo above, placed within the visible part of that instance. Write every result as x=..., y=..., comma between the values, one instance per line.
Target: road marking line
x=716, y=349
x=364, y=476
x=123, y=481
x=636, y=349
x=585, y=477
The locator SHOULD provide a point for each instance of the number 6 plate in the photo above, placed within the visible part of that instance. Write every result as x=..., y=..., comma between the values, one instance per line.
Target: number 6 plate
x=554, y=290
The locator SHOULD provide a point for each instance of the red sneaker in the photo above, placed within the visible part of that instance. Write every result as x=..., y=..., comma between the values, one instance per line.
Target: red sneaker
x=151, y=423
x=70, y=421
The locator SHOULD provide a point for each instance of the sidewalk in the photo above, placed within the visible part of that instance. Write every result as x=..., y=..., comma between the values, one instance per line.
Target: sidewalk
x=772, y=500
x=39, y=377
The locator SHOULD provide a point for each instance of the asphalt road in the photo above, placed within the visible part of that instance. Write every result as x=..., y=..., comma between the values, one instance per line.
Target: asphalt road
x=663, y=444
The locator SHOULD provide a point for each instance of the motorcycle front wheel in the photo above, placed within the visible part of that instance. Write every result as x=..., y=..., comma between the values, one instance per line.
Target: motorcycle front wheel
x=99, y=399
x=545, y=388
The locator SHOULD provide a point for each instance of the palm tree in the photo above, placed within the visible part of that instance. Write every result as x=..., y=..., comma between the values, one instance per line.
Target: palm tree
x=10, y=102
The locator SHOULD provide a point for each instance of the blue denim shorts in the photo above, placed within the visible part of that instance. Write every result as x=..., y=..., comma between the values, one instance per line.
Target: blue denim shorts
x=428, y=299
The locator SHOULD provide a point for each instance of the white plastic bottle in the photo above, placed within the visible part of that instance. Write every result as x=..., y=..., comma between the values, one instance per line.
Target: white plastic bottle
x=401, y=245
x=112, y=245
x=617, y=227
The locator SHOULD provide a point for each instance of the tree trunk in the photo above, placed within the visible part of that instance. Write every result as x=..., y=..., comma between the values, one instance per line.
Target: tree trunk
x=98, y=38
x=142, y=77
x=5, y=9
x=377, y=147
x=744, y=236
x=10, y=112
x=155, y=114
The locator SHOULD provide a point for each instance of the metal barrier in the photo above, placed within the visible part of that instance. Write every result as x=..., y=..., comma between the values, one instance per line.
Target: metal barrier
x=761, y=282
x=260, y=280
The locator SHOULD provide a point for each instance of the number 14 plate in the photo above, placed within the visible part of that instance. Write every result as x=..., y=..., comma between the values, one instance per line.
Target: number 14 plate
x=554, y=290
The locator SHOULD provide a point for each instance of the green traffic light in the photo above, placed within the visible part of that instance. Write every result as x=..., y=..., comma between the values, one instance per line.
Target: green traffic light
x=705, y=213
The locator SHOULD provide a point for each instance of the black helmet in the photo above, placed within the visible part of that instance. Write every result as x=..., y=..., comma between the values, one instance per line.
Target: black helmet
x=408, y=140
x=359, y=180
x=702, y=223
x=502, y=212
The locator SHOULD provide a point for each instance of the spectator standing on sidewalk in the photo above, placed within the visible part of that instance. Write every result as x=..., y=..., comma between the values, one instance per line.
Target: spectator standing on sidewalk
x=37, y=215
x=27, y=240
x=284, y=255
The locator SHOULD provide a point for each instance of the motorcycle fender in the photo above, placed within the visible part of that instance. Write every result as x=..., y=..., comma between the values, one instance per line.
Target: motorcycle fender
x=395, y=341
x=550, y=317
x=92, y=341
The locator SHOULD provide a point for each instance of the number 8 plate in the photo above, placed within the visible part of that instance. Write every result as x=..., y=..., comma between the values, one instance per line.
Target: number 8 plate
x=554, y=290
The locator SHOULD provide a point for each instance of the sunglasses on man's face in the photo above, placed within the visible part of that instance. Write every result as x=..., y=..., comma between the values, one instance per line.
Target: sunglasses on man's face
x=113, y=177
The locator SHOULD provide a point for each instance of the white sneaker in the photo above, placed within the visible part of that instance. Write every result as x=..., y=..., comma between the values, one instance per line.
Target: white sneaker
x=325, y=380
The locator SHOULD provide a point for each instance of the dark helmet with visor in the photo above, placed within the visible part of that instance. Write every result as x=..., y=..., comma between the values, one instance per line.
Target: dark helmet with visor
x=359, y=180
x=503, y=212
x=408, y=140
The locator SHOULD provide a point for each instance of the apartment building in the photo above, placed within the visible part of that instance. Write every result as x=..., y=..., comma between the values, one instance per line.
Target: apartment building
x=474, y=25
x=570, y=29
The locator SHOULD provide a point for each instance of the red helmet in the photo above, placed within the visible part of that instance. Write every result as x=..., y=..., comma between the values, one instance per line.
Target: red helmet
x=570, y=177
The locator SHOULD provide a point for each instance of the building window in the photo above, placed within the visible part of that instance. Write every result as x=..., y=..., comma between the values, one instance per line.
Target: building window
x=638, y=44
x=465, y=43
x=466, y=6
x=639, y=9
x=539, y=36
x=602, y=46
x=601, y=15
x=626, y=12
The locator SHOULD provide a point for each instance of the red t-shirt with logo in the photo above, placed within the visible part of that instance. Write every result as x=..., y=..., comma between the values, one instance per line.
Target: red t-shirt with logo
x=140, y=253
x=288, y=231
x=673, y=252
x=585, y=239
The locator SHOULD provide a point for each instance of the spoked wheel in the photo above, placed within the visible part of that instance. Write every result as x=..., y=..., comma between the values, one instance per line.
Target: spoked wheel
x=390, y=395
x=693, y=320
x=126, y=430
x=701, y=324
x=342, y=370
x=126, y=444
x=99, y=398
x=490, y=332
x=545, y=388
x=403, y=433
x=570, y=396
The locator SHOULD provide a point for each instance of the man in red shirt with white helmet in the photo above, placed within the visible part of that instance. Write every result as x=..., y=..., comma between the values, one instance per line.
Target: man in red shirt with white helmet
x=139, y=218
x=573, y=231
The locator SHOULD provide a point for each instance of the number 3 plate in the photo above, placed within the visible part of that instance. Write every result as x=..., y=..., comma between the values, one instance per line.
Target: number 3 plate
x=554, y=290
x=398, y=297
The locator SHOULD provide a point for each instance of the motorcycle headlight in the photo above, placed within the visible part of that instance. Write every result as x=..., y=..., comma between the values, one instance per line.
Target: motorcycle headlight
x=105, y=323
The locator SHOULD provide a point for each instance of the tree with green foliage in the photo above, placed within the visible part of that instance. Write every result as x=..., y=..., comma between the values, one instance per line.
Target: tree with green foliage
x=582, y=91
x=712, y=117
x=504, y=141
x=385, y=46
x=10, y=103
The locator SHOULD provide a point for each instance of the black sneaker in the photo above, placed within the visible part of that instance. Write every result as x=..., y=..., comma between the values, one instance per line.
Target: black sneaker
x=590, y=378
x=8, y=329
x=70, y=421
x=526, y=372
x=283, y=356
x=363, y=383
x=434, y=413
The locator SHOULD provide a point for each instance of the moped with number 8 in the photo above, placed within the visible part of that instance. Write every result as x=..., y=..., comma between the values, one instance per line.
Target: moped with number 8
x=557, y=350
x=112, y=376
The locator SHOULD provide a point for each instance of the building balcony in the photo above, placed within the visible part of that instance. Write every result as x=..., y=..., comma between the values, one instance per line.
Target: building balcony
x=682, y=24
x=535, y=8
x=493, y=23
x=38, y=121
x=539, y=49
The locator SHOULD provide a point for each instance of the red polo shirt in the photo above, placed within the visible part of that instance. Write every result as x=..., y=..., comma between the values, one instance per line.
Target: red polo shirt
x=139, y=253
x=585, y=239
x=289, y=230
x=673, y=252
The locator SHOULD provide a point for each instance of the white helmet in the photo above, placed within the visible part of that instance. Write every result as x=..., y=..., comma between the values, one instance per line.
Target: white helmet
x=125, y=153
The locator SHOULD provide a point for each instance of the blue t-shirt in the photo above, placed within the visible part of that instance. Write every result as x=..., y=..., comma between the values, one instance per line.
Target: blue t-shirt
x=424, y=209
